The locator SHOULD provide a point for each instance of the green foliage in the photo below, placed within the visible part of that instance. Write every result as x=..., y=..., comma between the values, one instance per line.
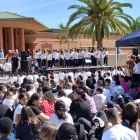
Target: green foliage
x=62, y=35
x=97, y=18
x=136, y=24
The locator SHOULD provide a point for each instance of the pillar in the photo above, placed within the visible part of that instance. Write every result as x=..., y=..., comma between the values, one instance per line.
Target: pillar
x=1, y=38
x=11, y=38
x=21, y=39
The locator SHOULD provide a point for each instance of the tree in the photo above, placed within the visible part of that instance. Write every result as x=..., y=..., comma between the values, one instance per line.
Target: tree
x=96, y=18
x=63, y=34
x=136, y=24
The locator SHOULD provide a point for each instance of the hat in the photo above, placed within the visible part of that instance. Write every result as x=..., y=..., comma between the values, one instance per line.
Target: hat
x=66, y=131
x=60, y=105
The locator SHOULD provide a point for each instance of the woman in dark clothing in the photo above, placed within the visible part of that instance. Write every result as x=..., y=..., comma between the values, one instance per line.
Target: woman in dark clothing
x=79, y=107
x=29, y=125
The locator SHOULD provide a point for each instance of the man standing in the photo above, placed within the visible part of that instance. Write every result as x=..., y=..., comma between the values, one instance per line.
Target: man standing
x=117, y=131
x=15, y=64
x=1, y=54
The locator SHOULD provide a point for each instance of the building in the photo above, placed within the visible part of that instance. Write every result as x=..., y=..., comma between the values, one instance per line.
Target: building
x=22, y=33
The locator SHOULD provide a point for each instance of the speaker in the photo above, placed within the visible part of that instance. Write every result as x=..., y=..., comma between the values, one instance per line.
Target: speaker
x=24, y=66
x=135, y=51
x=23, y=56
x=136, y=78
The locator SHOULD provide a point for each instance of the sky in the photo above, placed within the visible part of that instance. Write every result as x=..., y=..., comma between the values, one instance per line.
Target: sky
x=53, y=12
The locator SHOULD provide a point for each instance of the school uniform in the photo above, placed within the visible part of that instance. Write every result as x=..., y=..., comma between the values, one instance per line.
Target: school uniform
x=62, y=58
x=49, y=58
x=43, y=59
x=76, y=59
x=67, y=57
x=80, y=59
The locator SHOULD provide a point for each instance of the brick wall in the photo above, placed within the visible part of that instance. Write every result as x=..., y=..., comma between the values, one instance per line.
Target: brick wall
x=45, y=40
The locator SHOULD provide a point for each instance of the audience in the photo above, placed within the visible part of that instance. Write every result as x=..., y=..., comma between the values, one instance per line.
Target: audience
x=64, y=105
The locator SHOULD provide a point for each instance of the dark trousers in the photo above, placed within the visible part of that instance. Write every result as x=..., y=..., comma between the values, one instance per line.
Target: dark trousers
x=49, y=63
x=80, y=61
x=75, y=62
x=44, y=62
x=39, y=62
x=67, y=63
x=86, y=123
x=14, y=70
x=71, y=63
x=53, y=61
x=61, y=62
x=106, y=60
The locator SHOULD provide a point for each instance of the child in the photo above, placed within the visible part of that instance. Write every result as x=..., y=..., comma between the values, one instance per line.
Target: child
x=99, y=99
x=6, y=127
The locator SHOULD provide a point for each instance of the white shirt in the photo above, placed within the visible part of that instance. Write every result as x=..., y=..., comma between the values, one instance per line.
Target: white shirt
x=119, y=132
x=9, y=103
x=17, y=111
x=55, y=55
x=30, y=93
x=98, y=54
x=62, y=56
x=67, y=55
x=86, y=54
x=76, y=55
x=106, y=92
x=56, y=76
x=37, y=55
x=61, y=75
x=49, y=57
x=137, y=68
x=13, y=79
x=35, y=77
x=43, y=56
x=20, y=79
x=68, y=91
x=85, y=76
x=55, y=120
x=36, y=85
x=88, y=73
x=66, y=100
x=80, y=55
x=30, y=77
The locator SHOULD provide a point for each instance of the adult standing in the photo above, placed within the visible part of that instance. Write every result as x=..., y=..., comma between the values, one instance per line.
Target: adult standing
x=130, y=65
x=15, y=64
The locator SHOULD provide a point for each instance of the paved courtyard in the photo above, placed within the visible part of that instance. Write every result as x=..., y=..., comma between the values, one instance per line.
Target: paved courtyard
x=3, y=80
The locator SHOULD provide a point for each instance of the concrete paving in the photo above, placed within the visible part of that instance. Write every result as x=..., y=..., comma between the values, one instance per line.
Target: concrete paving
x=4, y=79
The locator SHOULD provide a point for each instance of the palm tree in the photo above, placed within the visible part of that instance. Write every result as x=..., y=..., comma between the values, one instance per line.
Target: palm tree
x=96, y=18
x=63, y=34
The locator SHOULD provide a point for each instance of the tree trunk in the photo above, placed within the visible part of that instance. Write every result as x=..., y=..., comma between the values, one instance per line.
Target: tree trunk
x=100, y=43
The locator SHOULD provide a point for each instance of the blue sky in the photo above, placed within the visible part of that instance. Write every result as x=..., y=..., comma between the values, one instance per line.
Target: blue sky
x=52, y=12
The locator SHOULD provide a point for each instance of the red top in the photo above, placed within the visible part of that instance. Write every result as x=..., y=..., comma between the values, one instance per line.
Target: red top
x=47, y=108
x=9, y=55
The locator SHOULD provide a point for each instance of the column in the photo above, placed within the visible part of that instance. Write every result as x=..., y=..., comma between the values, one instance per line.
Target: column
x=11, y=38
x=21, y=39
x=1, y=38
